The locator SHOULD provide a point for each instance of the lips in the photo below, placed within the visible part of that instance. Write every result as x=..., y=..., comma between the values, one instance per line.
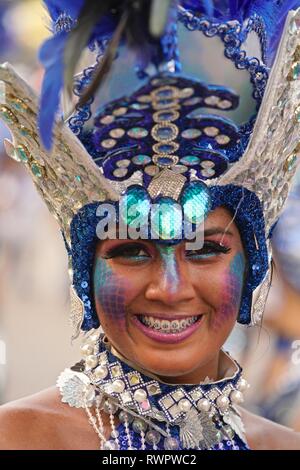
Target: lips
x=167, y=328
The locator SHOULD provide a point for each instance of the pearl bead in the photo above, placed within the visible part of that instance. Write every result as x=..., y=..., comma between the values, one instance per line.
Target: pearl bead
x=93, y=338
x=118, y=386
x=139, y=425
x=100, y=372
x=243, y=385
x=140, y=395
x=170, y=443
x=222, y=402
x=91, y=362
x=87, y=350
x=110, y=445
x=236, y=397
x=109, y=407
x=152, y=437
x=203, y=404
x=184, y=405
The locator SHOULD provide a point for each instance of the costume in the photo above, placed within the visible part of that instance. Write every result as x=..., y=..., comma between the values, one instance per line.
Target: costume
x=166, y=143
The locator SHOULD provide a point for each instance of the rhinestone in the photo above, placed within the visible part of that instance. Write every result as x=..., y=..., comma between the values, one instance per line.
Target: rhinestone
x=207, y=164
x=190, y=160
x=120, y=172
x=212, y=100
x=191, y=133
x=139, y=106
x=290, y=162
x=179, y=168
x=123, y=417
x=224, y=104
x=296, y=71
x=118, y=386
x=37, y=170
x=171, y=443
x=196, y=394
x=168, y=115
x=91, y=362
x=164, y=132
x=22, y=153
x=168, y=148
x=145, y=405
x=192, y=101
x=207, y=173
x=222, y=139
x=123, y=163
x=107, y=119
x=186, y=92
x=134, y=379
x=140, y=395
x=141, y=159
x=211, y=131
x=177, y=395
x=152, y=437
x=120, y=111
x=153, y=389
x=144, y=99
x=174, y=411
x=165, y=160
x=151, y=170
x=117, y=133
x=167, y=402
x=126, y=397
x=137, y=132
x=116, y=371
x=108, y=143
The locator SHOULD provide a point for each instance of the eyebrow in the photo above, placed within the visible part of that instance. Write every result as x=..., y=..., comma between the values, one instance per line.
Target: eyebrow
x=217, y=231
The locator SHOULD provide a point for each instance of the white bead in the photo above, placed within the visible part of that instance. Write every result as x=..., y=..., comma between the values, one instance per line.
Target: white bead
x=100, y=372
x=243, y=385
x=93, y=338
x=140, y=395
x=87, y=350
x=222, y=402
x=110, y=445
x=203, y=404
x=91, y=361
x=236, y=397
x=118, y=386
x=184, y=405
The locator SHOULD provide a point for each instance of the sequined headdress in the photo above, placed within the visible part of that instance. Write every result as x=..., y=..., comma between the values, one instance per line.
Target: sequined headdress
x=169, y=141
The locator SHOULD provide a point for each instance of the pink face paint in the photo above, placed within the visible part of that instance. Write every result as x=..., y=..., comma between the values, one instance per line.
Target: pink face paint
x=231, y=292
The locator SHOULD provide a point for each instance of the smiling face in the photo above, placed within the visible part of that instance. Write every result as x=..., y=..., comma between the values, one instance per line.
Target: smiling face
x=167, y=309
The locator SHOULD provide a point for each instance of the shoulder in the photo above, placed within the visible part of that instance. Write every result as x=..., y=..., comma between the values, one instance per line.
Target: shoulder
x=41, y=422
x=263, y=434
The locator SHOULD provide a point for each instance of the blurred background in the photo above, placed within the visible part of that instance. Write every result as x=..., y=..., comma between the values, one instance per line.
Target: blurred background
x=35, y=335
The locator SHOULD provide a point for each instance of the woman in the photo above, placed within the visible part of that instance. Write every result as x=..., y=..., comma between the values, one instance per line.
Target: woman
x=169, y=242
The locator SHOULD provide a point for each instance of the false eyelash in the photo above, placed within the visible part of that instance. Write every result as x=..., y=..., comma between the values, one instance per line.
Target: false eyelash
x=119, y=250
x=215, y=247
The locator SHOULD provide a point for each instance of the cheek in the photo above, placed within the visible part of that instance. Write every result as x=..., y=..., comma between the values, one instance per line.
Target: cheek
x=111, y=291
x=231, y=292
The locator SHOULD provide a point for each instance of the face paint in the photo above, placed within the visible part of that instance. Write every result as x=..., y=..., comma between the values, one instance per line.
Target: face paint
x=170, y=267
x=231, y=291
x=110, y=291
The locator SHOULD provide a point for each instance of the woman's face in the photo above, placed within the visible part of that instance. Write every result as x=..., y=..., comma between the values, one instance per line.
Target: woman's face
x=167, y=309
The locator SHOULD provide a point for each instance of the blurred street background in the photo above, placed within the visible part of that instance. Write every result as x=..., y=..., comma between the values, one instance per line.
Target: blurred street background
x=35, y=335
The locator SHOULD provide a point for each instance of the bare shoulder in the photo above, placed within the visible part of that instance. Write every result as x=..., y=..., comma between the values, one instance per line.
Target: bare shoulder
x=42, y=421
x=263, y=434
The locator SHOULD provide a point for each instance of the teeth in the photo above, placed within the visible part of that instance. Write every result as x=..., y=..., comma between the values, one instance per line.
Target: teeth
x=166, y=326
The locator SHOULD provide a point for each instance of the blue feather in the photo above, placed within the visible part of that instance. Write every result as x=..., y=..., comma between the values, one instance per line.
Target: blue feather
x=52, y=85
x=57, y=7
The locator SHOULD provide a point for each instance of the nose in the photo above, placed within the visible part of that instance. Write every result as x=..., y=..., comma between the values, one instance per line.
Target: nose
x=170, y=282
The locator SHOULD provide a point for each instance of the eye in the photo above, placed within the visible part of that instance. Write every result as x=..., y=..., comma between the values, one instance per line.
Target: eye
x=209, y=250
x=130, y=251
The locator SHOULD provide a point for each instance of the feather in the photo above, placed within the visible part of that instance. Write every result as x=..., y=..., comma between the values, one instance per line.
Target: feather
x=52, y=85
x=90, y=14
x=104, y=67
x=69, y=7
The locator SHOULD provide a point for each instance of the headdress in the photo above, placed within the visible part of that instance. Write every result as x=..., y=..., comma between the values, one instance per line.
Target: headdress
x=169, y=141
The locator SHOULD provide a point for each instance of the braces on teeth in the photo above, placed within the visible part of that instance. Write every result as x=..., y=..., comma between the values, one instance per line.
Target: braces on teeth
x=173, y=326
